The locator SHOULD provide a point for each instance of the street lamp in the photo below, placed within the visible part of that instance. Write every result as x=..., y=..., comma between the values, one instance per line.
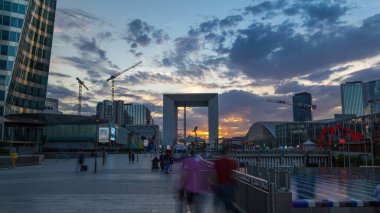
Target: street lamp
x=195, y=132
x=96, y=142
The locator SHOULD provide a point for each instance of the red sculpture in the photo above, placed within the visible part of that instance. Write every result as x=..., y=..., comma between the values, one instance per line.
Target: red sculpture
x=354, y=135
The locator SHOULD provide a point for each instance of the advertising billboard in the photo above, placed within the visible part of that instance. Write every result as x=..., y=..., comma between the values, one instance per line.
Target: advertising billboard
x=113, y=134
x=104, y=135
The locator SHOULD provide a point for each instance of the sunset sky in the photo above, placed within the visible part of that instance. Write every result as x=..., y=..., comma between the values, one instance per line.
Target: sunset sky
x=247, y=51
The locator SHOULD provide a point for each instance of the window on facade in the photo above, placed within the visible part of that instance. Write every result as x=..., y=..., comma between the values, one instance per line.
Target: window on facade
x=3, y=64
x=3, y=79
x=7, y=6
x=14, y=22
x=14, y=7
x=12, y=51
x=20, y=22
x=13, y=36
x=6, y=20
x=5, y=35
x=10, y=65
x=4, y=50
x=22, y=9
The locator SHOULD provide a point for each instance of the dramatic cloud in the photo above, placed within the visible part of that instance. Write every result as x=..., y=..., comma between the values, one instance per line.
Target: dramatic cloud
x=276, y=52
x=75, y=19
x=365, y=75
x=140, y=33
x=59, y=75
x=59, y=92
x=89, y=47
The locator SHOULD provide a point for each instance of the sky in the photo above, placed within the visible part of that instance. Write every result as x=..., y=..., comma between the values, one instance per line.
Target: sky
x=247, y=51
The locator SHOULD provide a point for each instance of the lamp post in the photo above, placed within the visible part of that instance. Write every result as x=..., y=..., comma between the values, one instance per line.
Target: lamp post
x=96, y=143
x=195, y=132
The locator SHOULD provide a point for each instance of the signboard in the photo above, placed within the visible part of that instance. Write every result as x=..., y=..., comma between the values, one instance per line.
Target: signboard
x=113, y=134
x=104, y=135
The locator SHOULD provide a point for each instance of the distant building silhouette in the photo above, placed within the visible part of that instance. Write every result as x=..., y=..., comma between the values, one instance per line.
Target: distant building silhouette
x=302, y=110
x=352, y=98
x=137, y=114
x=371, y=92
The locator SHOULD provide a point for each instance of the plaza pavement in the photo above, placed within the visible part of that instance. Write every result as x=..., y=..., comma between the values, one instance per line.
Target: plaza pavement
x=57, y=186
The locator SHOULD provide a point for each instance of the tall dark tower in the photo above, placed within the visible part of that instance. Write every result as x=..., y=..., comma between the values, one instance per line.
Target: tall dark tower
x=302, y=103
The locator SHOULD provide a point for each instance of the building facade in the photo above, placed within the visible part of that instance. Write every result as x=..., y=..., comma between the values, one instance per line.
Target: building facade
x=302, y=110
x=137, y=114
x=352, y=99
x=51, y=106
x=26, y=42
x=372, y=97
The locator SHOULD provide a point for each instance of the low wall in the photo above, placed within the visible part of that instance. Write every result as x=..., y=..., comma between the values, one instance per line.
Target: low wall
x=22, y=160
x=328, y=206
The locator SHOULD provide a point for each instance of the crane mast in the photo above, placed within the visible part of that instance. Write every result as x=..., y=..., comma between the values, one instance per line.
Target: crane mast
x=80, y=83
x=112, y=78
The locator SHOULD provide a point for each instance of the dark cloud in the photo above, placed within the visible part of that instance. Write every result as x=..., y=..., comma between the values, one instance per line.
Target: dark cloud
x=277, y=52
x=87, y=46
x=365, y=75
x=75, y=19
x=143, y=77
x=324, y=12
x=266, y=6
x=319, y=76
x=105, y=36
x=60, y=92
x=290, y=87
x=59, y=75
x=230, y=21
x=140, y=33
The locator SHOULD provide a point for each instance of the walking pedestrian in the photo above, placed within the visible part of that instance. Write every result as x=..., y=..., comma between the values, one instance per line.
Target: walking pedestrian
x=130, y=157
x=104, y=157
x=161, y=162
x=166, y=163
x=376, y=192
x=81, y=162
x=224, y=184
x=133, y=157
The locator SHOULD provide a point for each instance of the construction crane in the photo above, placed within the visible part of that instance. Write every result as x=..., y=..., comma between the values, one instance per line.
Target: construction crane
x=302, y=106
x=81, y=83
x=112, y=78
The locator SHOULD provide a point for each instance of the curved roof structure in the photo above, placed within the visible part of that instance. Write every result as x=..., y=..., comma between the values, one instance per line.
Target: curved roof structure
x=269, y=125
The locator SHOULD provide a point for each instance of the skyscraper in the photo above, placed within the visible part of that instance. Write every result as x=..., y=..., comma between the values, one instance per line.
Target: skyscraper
x=26, y=42
x=352, y=98
x=302, y=110
x=371, y=91
x=137, y=114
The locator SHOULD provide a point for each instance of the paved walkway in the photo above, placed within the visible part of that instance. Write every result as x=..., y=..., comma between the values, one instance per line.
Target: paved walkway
x=56, y=186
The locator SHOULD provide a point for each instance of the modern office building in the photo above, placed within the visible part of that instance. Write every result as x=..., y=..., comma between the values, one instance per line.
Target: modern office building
x=371, y=91
x=302, y=107
x=118, y=112
x=51, y=106
x=352, y=98
x=25, y=48
x=137, y=114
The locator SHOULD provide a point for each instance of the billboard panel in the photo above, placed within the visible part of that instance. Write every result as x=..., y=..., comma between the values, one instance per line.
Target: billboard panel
x=104, y=135
x=113, y=134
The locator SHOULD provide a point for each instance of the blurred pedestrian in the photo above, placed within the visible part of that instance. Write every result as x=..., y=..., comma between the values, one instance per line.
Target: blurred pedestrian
x=133, y=157
x=130, y=156
x=194, y=183
x=376, y=192
x=104, y=156
x=161, y=159
x=224, y=184
x=166, y=162
x=81, y=162
x=171, y=161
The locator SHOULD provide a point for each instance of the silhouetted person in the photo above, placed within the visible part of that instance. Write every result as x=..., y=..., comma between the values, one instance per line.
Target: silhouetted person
x=224, y=183
x=104, y=157
x=81, y=162
x=161, y=159
x=376, y=192
x=130, y=156
x=133, y=157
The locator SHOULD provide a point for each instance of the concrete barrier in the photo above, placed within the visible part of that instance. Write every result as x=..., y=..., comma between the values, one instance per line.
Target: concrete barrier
x=22, y=160
x=331, y=206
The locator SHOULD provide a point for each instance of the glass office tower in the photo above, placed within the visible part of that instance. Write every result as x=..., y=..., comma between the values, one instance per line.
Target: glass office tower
x=352, y=98
x=26, y=41
x=136, y=114
x=372, y=97
x=302, y=110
